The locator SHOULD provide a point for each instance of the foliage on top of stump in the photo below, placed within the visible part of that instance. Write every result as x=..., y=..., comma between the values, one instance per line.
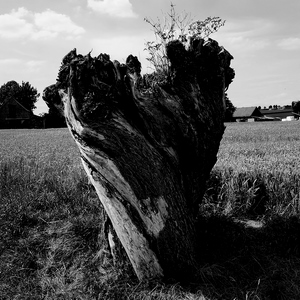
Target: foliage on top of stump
x=176, y=27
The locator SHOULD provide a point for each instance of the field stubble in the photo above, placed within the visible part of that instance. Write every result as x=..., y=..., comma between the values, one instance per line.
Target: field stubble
x=50, y=220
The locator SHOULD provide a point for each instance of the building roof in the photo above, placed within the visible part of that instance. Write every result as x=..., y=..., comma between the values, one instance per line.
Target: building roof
x=247, y=112
x=277, y=113
x=10, y=100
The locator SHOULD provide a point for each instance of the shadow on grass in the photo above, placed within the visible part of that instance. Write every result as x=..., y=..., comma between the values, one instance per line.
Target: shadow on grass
x=61, y=259
x=242, y=262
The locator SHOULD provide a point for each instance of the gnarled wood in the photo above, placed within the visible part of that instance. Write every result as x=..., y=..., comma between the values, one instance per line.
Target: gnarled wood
x=148, y=147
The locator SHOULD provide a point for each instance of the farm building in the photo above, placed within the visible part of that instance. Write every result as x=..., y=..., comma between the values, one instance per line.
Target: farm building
x=247, y=114
x=281, y=113
x=14, y=115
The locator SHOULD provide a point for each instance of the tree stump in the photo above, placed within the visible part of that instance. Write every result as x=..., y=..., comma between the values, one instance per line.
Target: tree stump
x=149, y=145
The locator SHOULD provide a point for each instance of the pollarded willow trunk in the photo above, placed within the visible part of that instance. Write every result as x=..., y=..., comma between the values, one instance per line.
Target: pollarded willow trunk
x=148, y=146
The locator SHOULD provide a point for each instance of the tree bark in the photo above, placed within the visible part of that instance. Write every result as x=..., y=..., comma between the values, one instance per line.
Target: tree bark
x=148, y=145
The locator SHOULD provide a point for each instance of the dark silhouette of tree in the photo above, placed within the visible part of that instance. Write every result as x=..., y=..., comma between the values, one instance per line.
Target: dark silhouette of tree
x=25, y=94
x=28, y=95
x=230, y=109
x=296, y=106
x=54, y=117
x=9, y=90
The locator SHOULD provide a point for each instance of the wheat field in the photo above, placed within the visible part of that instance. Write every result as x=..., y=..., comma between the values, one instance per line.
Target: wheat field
x=50, y=220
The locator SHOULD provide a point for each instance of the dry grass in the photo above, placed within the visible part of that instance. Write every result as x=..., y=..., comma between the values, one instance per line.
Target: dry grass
x=50, y=220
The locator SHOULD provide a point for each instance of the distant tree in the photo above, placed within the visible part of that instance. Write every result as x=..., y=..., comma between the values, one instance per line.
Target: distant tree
x=230, y=109
x=259, y=107
x=25, y=94
x=9, y=90
x=28, y=95
x=296, y=107
x=270, y=107
x=54, y=118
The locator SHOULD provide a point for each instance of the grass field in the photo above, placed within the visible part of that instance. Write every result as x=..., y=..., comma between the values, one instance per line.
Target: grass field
x=50, y=220
x=256, y=159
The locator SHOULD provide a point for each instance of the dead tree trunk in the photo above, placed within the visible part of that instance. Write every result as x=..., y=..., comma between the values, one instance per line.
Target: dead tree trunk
x=149, y=145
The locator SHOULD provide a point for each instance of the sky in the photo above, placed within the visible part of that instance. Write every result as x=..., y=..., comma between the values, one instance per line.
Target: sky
x=263, y=36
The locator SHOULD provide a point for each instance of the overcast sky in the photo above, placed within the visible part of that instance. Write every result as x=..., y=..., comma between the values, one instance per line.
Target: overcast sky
x=262, y=35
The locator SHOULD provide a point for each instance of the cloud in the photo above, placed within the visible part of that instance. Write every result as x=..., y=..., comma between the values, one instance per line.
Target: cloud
x=35, y=65
x=244, y=38
x=50, y=24
x=114, y=8
x=28, y=66
x=290, y=43
x=9, y=61
x=14, y=25
x=246, y=44
x=119, y=47
x=23, y=24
